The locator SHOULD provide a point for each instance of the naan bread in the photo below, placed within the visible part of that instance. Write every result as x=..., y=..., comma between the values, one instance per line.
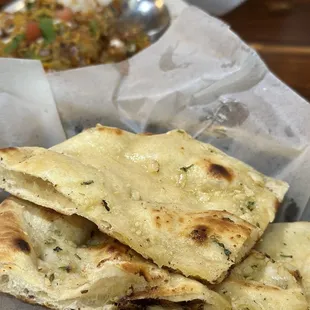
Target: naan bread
x=289, y=243
x=260, y=283
x=163, y=195
x=64, y=262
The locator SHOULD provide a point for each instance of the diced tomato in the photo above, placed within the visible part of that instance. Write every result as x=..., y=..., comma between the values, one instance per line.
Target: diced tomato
x=65, y=14
x=33, y=31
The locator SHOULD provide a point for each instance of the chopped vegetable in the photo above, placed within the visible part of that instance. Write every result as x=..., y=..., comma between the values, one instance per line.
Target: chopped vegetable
x=29, y=5
x=14, y=44
x=93, y=27
x=47, y=28
x=31, y=55
x=33, y=31
x=65, y=14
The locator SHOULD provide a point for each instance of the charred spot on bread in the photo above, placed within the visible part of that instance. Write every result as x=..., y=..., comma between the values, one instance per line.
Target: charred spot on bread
x=22, y=245
x=199, y=234
x=220, y=172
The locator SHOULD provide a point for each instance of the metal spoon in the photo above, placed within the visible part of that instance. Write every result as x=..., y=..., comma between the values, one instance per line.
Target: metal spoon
x=152, y=15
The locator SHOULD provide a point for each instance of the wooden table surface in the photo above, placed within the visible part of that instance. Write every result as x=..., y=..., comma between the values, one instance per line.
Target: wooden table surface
x=280, y=31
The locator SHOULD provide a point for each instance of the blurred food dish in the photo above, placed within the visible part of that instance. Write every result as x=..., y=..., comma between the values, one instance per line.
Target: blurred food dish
x=62, y=39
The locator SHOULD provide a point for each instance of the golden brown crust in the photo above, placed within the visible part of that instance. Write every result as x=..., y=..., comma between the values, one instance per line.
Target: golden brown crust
x=9, y=150
x=277, y=204
x=204, y=227
x=12, y=237
x=146, y=134
x=62, y=262
x=111, y=130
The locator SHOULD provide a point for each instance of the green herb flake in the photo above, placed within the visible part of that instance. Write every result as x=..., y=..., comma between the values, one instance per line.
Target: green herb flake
x=65, y=268
x=250, y=205
x=286, y=256
x=47, y=27
x=29, y=5
x=227, y=252
x=57, y=249
x=14, y=44
x=49, y=241
x=228, y=219
x=51, y=277
x=93, y=27
x=87, y=182
x=185, y=169
x=77, y=256
x=257, y=225
x=105, y=204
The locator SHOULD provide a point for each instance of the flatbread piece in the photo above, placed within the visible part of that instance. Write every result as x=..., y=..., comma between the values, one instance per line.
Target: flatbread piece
x=260, y=283
x=289, y=243
x=163, y=195
x=64, y=262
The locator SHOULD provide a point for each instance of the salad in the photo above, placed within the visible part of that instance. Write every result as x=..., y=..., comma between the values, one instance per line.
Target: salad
x=63, y=39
